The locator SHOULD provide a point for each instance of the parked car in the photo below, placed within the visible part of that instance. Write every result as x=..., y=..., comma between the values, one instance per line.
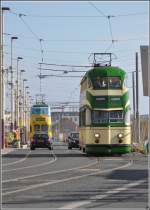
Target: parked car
x=73, y=140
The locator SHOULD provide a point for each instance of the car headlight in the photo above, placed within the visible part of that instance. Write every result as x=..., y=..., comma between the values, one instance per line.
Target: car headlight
x=97, y=135
x=120, y=136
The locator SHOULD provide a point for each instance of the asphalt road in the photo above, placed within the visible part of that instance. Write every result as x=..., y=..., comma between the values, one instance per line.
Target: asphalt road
x=67, y=179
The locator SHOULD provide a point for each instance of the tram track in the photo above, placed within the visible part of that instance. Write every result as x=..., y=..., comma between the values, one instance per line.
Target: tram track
x=32, y=166
x=18, y=161
x=79, y=175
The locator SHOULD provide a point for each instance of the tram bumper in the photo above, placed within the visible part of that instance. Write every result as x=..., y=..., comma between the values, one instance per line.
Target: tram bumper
x=107, y=149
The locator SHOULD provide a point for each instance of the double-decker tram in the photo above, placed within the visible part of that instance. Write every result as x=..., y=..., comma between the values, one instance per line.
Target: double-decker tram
x=40, y=126
x=104, y=111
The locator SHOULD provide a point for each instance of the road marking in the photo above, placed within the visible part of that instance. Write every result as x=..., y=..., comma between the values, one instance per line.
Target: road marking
x=8, y=164
x=99, y=197
x=31, y=187
x=46, y=173
x=33, y=166
x=89, y=169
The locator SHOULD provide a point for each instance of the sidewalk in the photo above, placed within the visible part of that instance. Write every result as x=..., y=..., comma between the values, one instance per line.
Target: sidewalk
x=6, y=150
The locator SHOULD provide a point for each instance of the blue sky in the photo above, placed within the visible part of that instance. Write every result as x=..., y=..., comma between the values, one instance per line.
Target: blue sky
x=70, y=40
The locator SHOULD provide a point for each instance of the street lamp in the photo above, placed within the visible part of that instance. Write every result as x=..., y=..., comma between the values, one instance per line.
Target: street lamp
x=12, y=85
x=26, y=113
x=2, y=99
x=21, y=99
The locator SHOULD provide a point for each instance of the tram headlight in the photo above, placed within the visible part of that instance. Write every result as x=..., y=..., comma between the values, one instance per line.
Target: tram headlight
x=120, y=135
x=97, y=135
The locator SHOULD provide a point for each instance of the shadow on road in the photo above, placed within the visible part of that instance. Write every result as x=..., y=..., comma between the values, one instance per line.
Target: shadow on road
x=131, y=174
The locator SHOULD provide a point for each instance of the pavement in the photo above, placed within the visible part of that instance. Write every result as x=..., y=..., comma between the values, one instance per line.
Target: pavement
x=10, y=149
x=6, y=150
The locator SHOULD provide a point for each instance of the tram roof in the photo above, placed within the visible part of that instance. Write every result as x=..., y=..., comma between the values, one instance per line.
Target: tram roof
x=105, y=71
x=40, y=105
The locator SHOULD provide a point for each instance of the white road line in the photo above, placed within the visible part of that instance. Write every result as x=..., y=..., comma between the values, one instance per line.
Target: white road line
x=33, y=166
x=31, y=187
x=8, y=164
x=99, y=197
x=46, y=173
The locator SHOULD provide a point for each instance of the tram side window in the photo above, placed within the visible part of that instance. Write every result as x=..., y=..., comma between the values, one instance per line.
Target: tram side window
x=82, y=118
x=100, y=117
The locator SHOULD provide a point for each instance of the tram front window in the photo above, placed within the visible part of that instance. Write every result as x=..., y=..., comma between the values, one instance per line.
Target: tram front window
x=107, y=116
x=106, y=83
x=44, y=127
x=37, y=127
x=39, y=110
x=114, y=82
x=116, y=116
x=100, y=117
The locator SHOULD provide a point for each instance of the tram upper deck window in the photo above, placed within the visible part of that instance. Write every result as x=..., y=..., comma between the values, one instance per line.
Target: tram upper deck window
x=39, y=110
x=114, y=82
x=106, y=82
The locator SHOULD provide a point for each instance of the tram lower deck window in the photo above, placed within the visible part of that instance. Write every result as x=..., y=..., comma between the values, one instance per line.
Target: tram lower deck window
x=107, y=116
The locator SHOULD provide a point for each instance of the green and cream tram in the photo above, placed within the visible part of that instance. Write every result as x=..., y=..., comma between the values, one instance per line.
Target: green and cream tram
x=105, y=112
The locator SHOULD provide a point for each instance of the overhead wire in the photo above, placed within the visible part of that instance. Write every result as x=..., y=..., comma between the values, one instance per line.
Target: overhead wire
x=39, y=40
x=80, y=16
x=109, y=23
x=65, y=71
x=50, y=64
x=52, y=75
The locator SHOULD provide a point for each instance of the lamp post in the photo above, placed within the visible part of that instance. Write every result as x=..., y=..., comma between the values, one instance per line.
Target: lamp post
x=21, y=99
x=25, y=113
x=23, y=110
x=12, y=85
x=17, y=95
x=28, y=116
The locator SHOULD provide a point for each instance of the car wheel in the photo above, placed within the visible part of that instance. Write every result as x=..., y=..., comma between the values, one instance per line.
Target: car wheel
x=32, y=148
x=69, y=147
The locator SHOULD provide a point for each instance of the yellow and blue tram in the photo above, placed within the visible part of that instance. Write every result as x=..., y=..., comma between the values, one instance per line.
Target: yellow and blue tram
x=40, y=126
x=104, y=112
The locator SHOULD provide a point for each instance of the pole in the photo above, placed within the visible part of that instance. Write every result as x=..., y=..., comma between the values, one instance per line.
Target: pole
x=1, y=86
x=17, y=94
x=12, y=100
x=2, y=82
x=12, y=85
x=134, y=110
x=137, y=102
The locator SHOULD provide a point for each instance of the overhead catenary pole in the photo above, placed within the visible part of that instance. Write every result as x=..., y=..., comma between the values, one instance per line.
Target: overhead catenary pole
x=12, y=84
x=17, y=94
x=134, y=101
x=23, y=116
x=21, y=99
x=2, y=82
x=137, y=102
